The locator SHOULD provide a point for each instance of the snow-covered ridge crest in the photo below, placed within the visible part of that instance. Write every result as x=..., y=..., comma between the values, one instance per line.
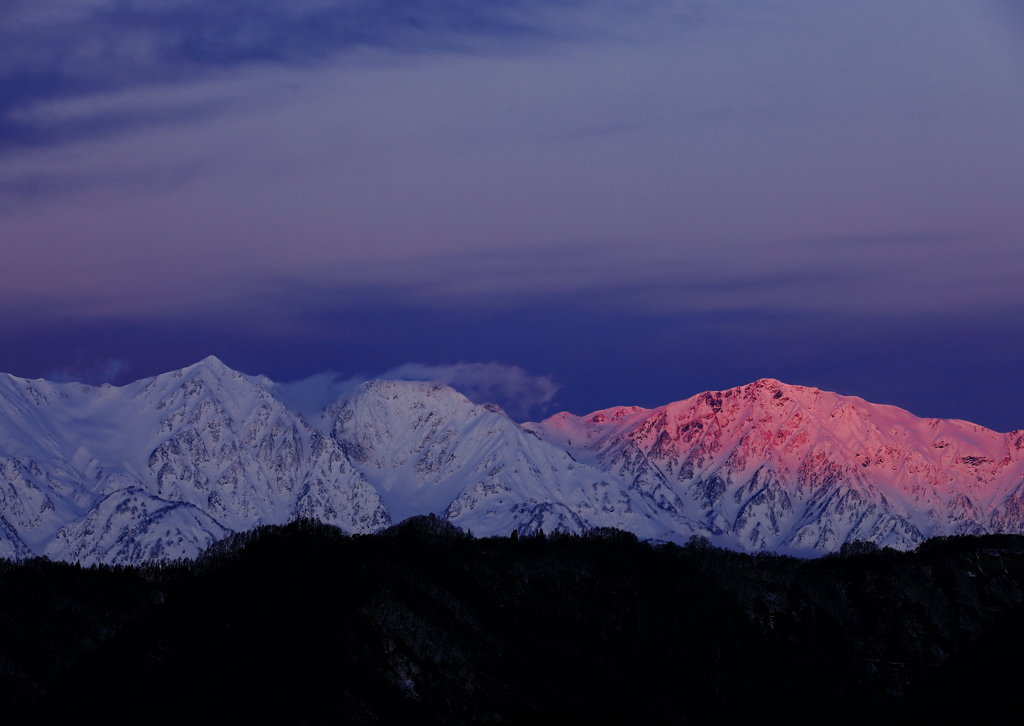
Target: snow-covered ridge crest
x=162, y=467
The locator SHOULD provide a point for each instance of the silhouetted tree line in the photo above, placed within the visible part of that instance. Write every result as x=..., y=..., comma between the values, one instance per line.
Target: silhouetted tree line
x=424, y=623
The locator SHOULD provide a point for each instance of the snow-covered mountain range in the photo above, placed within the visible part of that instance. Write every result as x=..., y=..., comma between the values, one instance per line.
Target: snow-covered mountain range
x=163, y=467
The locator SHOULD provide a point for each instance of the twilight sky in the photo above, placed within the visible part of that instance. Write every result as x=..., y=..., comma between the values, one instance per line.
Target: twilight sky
x=554, y=204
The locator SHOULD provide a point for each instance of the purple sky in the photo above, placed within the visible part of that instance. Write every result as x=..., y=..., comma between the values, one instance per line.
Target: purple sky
x=620, y=203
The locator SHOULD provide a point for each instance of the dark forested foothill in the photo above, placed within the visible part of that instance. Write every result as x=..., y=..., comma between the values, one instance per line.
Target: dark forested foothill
x=423, y=623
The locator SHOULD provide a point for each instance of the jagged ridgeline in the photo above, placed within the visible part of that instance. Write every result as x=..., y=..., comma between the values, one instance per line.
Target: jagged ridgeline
x=423, y=623
x=164, y=467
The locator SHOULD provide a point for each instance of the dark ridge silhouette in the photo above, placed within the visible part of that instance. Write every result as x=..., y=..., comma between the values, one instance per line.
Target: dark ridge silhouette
x=429, y=525
x=303, y=623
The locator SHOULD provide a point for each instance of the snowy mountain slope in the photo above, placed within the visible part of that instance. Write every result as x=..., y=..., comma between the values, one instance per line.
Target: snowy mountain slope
x=163, y=467
x=42, y=482
x=205, y=436
x=131, y=526
x=232, y=450
x=429, y=449
x=789, y=468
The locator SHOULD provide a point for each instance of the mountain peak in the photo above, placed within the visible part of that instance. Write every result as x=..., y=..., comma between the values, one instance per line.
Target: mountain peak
x=397, y=392
x=212, y=363
x=765, y=393
x=775, y=389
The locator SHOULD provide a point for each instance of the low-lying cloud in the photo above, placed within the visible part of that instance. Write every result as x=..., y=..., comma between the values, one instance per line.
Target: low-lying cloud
x=511, y=387
x=518, y=392
x=93, y=375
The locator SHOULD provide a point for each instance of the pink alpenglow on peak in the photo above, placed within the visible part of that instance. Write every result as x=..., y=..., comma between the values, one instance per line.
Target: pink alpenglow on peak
x=795, y=469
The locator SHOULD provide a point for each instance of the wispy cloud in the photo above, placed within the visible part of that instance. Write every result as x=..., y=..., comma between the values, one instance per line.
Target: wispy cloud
x=511, y=387
x=52, y=50
x=95, y=374
x=518, y=392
